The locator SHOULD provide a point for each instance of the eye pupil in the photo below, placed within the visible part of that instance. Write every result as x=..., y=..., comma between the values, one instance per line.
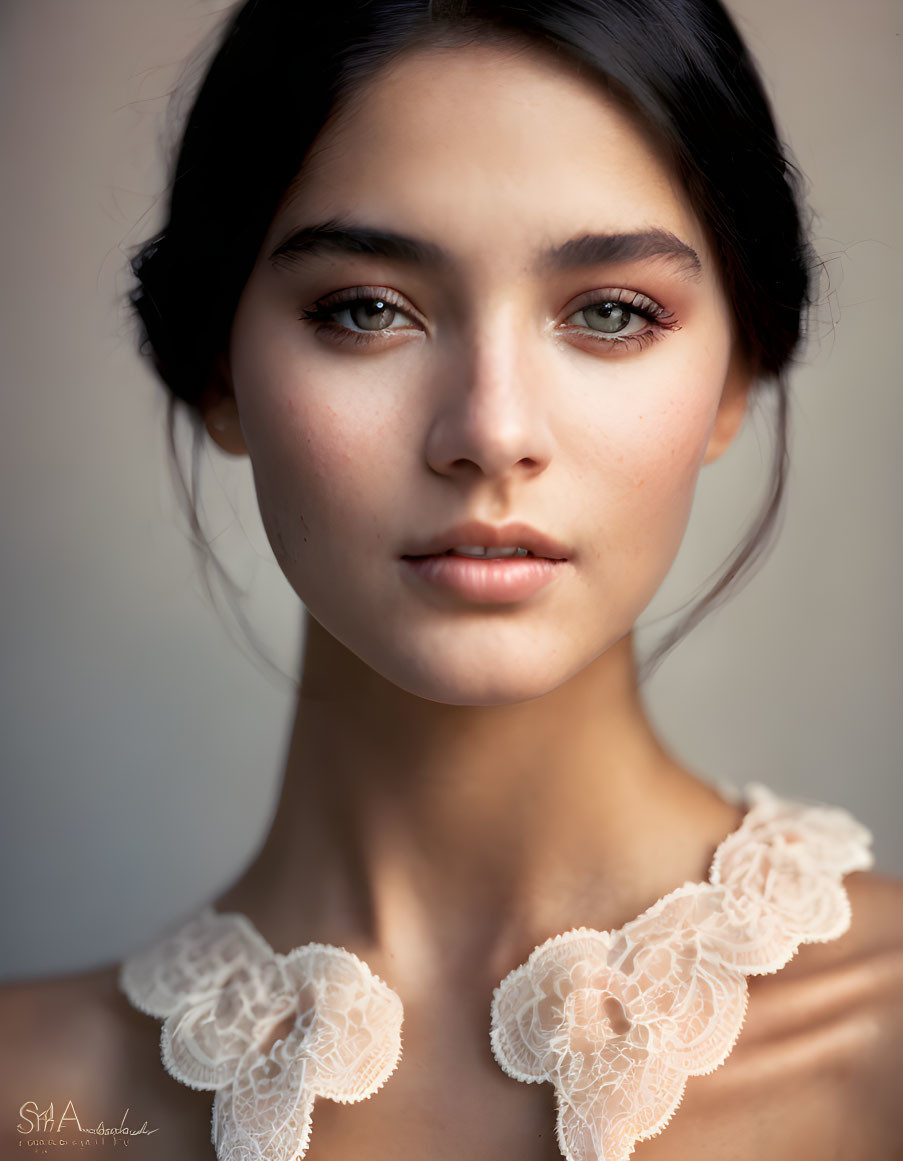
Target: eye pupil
x=607, y=316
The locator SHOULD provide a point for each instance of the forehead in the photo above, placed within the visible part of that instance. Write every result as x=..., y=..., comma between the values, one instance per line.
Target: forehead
x=489, y=149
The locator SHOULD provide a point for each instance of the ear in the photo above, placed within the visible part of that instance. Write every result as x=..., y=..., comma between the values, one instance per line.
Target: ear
x=220, y=411
x=740, y=377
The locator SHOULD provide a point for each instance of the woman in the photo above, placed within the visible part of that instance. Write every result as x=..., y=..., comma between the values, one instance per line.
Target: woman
x=461, y=278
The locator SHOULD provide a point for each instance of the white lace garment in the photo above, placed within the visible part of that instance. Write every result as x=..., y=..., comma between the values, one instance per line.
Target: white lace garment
x=615, y=1020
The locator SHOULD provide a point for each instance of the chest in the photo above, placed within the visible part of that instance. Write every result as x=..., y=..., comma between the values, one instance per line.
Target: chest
x=779, y=1096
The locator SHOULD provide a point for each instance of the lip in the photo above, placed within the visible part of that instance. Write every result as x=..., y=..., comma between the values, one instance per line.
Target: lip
x=473, y=532
x=500, y=581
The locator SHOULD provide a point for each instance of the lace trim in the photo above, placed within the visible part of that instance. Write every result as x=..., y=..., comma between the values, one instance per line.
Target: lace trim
x=618, y=1020
x=270, y=1033
x=615, y=1020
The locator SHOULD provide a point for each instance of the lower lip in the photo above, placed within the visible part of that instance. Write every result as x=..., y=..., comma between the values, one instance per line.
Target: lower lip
x=494, y=581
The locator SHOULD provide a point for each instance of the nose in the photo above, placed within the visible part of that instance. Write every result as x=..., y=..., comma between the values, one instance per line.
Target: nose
x=491, y=412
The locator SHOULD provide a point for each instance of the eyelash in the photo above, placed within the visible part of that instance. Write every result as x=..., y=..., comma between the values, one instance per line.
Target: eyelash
x=662, y=321
x=324, y=308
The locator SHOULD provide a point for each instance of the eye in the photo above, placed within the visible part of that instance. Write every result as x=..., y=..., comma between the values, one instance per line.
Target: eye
x=619, y=318
x=612, y=318
x=357, y=314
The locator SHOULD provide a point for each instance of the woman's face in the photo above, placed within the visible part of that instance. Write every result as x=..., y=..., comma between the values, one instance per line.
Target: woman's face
x=496, y=371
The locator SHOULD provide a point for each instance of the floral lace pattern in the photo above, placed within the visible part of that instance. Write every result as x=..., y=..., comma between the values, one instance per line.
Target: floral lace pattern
x=269, y=1033
x=618, y=1020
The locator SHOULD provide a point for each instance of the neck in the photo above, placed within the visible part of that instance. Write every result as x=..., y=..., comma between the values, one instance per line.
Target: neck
x=433, y=834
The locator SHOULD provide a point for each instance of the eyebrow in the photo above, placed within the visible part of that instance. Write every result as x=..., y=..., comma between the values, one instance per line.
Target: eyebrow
x=598, y=249
x=336, y=236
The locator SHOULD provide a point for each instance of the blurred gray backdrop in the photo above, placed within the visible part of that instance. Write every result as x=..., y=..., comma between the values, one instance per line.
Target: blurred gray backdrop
x=141, y=746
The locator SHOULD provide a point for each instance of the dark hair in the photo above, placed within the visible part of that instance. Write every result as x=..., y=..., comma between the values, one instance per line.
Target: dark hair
x=284, y=68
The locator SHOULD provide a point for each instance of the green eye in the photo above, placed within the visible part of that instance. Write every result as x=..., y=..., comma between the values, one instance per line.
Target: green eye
x=610, y=317
x=617, y=321
x=360, y=314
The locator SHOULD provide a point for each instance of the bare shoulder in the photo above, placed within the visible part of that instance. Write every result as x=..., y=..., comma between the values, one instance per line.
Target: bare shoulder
x=869, y=976
x=877, y=905
x=831, y=1021
x=875, y=931
x=74, y=1053
x=58, y=1025
x=873, y=951
x=872, y=954
x=61, y=1035
x=868, y=956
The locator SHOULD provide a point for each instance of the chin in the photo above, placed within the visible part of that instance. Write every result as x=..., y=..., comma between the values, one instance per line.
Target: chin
x=479, y=681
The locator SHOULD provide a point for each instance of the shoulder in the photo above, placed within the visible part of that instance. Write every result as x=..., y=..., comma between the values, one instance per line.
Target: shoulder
x=869, y=953
x=875, y=934
x=833, y=1016
x=867, y=985
x=54, y=1024
x=45, y=1021
x=67, y=1048
x=872, y=953
x=877, y=906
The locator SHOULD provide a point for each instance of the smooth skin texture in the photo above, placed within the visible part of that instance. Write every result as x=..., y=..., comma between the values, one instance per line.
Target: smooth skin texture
x=464, y=781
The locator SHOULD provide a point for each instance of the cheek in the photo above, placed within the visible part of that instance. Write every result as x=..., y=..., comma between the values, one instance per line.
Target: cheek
x=645, y=456
x=318, y=439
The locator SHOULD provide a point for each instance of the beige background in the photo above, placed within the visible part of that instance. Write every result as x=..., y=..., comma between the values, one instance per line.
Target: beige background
x=141, y=747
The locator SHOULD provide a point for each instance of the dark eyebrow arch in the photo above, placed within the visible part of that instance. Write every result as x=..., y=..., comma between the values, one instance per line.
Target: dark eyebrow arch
x=340, y=237
x=598, y=249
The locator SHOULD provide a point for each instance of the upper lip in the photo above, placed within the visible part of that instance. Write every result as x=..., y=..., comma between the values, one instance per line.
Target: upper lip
x=473, y=532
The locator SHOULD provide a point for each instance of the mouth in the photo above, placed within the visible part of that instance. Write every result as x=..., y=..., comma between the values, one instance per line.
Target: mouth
x=484, y=554
x=474, y=540
x=483, y=576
